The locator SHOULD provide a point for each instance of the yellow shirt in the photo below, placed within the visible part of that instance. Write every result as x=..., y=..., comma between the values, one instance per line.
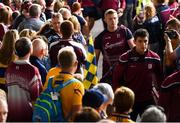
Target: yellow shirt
x=123, y=118
x=71, y=94
x=52, y=72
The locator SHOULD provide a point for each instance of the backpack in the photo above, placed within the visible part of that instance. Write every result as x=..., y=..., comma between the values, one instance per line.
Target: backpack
x=48, y=106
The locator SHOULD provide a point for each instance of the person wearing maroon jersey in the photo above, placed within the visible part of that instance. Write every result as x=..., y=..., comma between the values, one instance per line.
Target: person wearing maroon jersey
x=67, y=31
x=169, y=97
x=23, y=82
x=112, y=42
x=140, y=70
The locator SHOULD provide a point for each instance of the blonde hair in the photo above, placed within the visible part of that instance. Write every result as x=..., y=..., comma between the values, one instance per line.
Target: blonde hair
x=8, y=44
x=27, y=33
x=77, y=26
x=66, y=57
x=150, y=11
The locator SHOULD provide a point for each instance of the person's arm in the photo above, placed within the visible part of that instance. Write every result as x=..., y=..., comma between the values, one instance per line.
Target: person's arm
x=131, y=43
x=118, y=73
x=169, y=49
x=129, y=38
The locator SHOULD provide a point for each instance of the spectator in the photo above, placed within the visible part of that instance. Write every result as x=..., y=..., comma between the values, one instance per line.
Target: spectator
x=49, y=8
x=33, y=22
x=39, y=51
x=107, y=90
x=76, y=11
x=71, y=95
x=153, y=26
x=7, y=54
x=112, y=42
x=23, y=82
x=77, y=35
x=58, y=5
x=90, y=12
x=169, y=97
x=87, y=114
x=140, y=70
x=138, y=20
x=3, y=106
x=24, y=13
x=123, y=104
x=42, y=3
x=5, y=20
x=98, y=100
x=53, y=34
x=171, y=64
x=67, y=31
x=163, y=13
x=66, y=13
x=154, y=114
x=117, y=5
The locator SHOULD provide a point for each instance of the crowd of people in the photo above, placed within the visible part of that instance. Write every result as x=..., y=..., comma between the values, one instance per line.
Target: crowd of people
x=43, y=40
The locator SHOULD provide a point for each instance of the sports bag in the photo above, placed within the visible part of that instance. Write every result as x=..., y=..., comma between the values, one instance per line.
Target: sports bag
x=48, y=106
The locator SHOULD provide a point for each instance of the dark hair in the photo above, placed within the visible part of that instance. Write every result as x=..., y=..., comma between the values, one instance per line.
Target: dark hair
x=23, y=46
x=141, y=33
x=67, y=29
x=87, y=114
x=26, y=5
x=49, y=3
x=34, y=10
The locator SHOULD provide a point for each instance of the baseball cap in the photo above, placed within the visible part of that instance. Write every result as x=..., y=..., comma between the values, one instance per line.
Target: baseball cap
x=94, y=98
x=105, y=89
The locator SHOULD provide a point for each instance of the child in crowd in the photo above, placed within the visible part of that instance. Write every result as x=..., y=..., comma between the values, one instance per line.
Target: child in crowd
x=123, y=103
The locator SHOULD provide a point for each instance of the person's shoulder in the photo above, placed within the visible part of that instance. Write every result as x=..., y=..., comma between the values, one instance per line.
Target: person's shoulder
x=172, y=81
x=101, y=34
x=78, y=45
x=152, y=55
x=53, y=44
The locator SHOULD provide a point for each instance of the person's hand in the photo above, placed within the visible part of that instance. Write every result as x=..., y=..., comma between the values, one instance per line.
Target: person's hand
x=120, y=12
x=166, y=37
x=178, y=36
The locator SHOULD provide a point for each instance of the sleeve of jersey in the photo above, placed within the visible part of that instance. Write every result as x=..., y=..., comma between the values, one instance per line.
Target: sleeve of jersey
x=78, y=93
x=35, y=85
x=118, y=73
x=129, y=34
